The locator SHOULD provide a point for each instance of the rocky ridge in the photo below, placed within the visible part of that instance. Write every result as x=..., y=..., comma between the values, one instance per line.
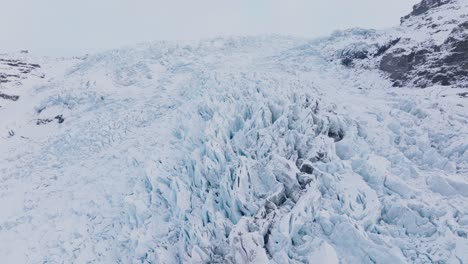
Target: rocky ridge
x=429, y=47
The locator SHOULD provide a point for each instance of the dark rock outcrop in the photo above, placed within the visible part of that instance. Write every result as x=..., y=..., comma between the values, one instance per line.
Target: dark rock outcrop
x=60, y=119
x=15, y=70
x=425, y=63
x=43, y=121
x=347, y=57
x=9, y=97
x=446, y=64
x=382, y=49
x=425, y=6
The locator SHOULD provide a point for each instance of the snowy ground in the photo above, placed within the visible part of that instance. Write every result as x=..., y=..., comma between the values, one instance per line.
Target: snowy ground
x=233, y=151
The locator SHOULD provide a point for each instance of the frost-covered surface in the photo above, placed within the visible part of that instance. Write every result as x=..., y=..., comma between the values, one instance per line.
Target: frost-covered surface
x=240, y=150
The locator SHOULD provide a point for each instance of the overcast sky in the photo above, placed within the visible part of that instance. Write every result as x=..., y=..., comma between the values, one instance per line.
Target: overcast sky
x=73, y=27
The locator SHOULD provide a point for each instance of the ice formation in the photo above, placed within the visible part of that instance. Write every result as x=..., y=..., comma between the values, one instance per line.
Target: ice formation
x=233, y=150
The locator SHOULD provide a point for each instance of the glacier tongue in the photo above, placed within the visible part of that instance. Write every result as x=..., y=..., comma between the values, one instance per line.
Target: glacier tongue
x=240, y=150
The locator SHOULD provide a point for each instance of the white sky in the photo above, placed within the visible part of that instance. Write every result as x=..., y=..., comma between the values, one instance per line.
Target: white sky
x=73, y=27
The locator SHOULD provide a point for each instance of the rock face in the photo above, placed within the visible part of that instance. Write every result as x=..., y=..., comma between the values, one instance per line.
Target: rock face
x=14, y=70
x=444, y=64
x=425, y=6
x=439, y=57
x=430, y=47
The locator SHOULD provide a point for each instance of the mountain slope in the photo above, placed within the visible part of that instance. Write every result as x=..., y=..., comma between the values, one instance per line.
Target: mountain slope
x=428, y=48
x=236, y=150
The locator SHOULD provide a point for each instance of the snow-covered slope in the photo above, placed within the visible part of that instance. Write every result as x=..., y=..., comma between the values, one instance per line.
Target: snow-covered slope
x=233, y=150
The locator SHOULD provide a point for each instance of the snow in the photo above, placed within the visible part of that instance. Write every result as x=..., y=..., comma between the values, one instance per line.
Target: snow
x=237, y=150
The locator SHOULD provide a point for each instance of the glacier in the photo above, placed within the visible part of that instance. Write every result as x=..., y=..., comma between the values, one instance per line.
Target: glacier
x=263, y=149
